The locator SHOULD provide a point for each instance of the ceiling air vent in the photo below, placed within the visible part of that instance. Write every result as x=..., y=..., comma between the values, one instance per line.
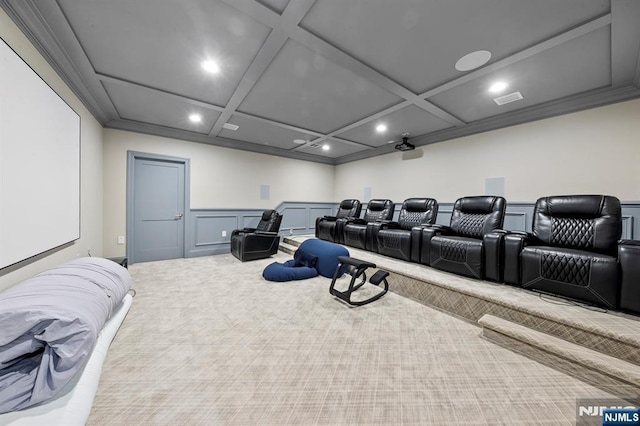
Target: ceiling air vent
x=511, y=97
x=314, y=145
x=230, y=126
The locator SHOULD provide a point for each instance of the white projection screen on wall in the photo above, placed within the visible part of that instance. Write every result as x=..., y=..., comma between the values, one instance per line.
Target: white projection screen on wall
x=39, y=164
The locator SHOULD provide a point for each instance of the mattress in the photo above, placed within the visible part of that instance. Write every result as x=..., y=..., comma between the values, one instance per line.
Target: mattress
x=50, y=324
x=73, y=404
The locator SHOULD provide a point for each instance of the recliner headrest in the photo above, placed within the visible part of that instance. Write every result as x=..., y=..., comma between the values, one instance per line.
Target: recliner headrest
x=266, y=215
x=479, y=204
x=585, y=206
x=349, y=208
x=348, y=204
x=417, y=212
x=270, y=221
x=475, y=216
x=418, y=204
x=379, y=210
x=377, y=205
x=584, y=222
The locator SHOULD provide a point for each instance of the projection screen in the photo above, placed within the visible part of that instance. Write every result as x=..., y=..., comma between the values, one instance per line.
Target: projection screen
x=39, y=164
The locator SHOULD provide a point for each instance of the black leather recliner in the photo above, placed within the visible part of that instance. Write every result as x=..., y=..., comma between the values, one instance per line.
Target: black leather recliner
x=259, y=242
x=473, y=243
x=355, y=230
x=574, y=251
x=401, y=239
x=330, y=228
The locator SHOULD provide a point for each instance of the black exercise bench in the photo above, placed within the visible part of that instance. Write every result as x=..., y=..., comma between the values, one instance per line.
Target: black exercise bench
x=356, y=268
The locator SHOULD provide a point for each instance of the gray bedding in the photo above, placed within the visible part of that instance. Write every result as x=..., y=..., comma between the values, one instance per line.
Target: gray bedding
x=49, y=325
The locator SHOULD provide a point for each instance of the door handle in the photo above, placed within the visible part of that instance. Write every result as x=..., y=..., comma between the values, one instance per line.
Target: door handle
x=178, y=216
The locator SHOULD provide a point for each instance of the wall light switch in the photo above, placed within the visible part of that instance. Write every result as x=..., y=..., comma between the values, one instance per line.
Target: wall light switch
x=121, y=240
x=224, y=233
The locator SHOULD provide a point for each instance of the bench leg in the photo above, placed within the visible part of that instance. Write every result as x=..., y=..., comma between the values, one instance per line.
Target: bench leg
x=357, y=270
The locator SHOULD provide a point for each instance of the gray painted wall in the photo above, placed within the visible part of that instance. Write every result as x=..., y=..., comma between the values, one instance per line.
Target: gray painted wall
x=206, y=226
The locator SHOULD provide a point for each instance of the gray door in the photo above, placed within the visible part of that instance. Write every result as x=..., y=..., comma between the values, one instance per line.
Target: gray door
x=158, y=210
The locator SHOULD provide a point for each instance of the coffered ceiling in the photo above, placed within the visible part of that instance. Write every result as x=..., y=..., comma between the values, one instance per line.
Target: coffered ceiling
x=327, y=73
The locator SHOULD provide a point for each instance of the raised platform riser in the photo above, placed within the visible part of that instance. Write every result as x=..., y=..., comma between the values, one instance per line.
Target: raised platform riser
x=614, y=385
x=473, y=308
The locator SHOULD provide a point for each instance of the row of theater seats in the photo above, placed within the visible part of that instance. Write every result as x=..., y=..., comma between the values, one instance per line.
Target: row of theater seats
x=574, y=249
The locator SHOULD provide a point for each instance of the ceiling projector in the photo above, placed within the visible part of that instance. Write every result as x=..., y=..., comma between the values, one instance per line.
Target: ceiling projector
x=405, y=145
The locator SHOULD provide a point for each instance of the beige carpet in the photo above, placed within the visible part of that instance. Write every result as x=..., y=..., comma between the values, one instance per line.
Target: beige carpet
x=209, y=341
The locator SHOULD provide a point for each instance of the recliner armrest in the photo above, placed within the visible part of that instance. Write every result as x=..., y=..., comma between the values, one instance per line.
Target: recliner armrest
x=441, y=229
x=356, y=221
x=520, y=233
x=238, y=232
x=265, y=233
x=493, y=243
x=389, y=224
x=416, y=243
x=426, y=234
x=514, y=242
x=629, y=258
x=371, y=242
x=338, y=232
x=436, y=226
x=330, y=218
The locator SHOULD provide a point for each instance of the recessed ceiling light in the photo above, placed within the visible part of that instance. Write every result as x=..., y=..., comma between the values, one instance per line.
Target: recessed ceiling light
x=196, y=118
x=211, y=67
x=381, y=128
x=299, y=141
x=473, y=60
x=326, y=147
x=498, y=87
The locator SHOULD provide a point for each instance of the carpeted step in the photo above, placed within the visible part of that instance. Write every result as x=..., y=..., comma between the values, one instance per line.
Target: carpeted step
x=286, y=247
x=291, y=241
x=615, y=375
x=614, y=334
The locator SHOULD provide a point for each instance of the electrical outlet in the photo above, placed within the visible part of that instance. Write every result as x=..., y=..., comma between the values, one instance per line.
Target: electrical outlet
x=120, y=239
x=224, y=233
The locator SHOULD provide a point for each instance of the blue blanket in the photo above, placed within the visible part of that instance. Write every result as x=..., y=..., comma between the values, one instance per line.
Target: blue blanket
x=50, y=324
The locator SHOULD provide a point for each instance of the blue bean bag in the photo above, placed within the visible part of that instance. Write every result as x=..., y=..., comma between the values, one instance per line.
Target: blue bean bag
x=288, y=271
x=313, y=257
x=327, y=254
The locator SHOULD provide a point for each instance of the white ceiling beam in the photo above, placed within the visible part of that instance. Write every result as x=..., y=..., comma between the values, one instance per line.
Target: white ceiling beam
x=126, y=83
x=359, y=123
x=267, y=52
x=347, y=61
x=278, y=124
x=290, y=26
x=292, y=15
